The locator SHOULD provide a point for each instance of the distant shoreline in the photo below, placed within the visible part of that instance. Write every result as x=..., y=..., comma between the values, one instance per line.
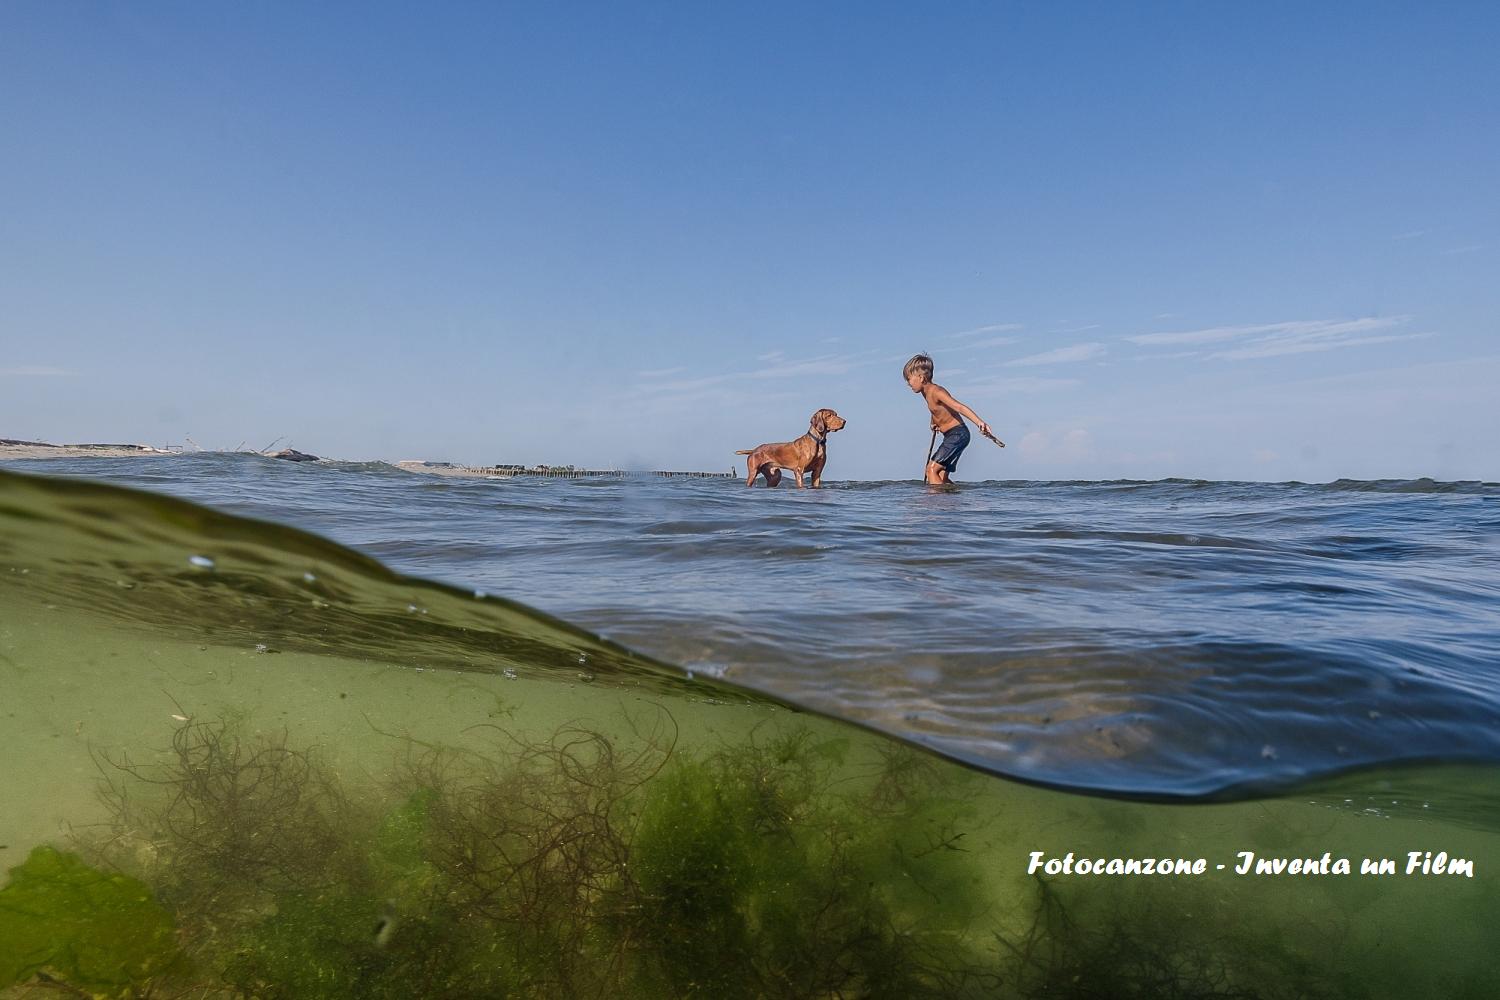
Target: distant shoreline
x=10, y=448
x=15, y=449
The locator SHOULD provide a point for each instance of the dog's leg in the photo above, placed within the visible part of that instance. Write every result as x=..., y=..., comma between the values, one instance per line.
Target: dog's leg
x=772, y=474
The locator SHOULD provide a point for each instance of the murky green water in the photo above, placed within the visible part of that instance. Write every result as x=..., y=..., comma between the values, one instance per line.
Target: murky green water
x=243, y=761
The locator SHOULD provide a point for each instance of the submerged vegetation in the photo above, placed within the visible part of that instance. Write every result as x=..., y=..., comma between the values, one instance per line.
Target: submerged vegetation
x=582, y=864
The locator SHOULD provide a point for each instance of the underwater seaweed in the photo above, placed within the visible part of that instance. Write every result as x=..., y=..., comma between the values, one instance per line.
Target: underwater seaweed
x=232, y=819
x=528, y=843
x=780, y=864
x=1140, y=949
x=757, y=879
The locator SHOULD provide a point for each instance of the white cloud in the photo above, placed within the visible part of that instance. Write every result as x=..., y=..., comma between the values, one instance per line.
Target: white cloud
x=1269, y=340
x=828, y=364
x=1271, y=348
x=1169, y=357
x=689, y=384
x=1063, y=355
x=1021, y=384
x=992, y=328
x=681, y=390
x=660, y=372
x=1294, y=330
x=987, y=342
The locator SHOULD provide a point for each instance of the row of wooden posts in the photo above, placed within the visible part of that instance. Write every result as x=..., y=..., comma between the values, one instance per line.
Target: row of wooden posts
x=556, y=473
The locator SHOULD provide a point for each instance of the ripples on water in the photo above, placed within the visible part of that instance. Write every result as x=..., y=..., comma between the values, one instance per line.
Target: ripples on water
x=467, y=795
x=1171, y=638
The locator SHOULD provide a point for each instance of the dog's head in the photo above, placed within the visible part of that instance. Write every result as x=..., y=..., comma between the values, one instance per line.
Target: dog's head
x=827, y=421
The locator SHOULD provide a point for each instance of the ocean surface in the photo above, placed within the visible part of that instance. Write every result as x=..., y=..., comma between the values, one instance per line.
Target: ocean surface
x=1171, y=639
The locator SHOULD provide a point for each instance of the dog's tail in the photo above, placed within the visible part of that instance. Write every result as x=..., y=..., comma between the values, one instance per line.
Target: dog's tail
x=745, y=452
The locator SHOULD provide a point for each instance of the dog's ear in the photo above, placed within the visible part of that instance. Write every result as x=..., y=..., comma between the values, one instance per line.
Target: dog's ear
x=820, y=421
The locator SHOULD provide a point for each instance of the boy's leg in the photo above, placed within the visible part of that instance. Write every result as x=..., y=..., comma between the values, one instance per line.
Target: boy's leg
x=945, y=459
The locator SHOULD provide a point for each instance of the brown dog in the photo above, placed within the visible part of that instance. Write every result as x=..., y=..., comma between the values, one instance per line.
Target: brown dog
x=804, y=455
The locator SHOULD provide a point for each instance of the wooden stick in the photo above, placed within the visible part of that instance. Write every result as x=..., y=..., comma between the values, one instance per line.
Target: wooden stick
x=993, y=438
x=931, y=447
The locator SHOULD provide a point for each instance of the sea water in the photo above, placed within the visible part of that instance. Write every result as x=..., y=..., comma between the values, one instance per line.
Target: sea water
x=342, y=730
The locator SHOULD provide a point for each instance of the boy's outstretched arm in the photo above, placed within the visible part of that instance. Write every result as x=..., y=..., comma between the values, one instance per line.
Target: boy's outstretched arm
x=984, y=428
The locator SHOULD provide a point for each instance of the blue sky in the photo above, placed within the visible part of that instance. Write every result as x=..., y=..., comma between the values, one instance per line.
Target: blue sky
x=1232, y=242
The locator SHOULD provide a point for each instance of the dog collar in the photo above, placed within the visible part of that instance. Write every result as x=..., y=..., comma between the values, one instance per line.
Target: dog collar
x=820, y=440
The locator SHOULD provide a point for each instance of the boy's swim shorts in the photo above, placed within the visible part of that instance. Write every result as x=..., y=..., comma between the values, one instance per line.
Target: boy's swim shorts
x=955, y=441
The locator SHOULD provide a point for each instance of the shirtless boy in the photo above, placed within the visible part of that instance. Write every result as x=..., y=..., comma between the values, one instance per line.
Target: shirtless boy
x=947, y=417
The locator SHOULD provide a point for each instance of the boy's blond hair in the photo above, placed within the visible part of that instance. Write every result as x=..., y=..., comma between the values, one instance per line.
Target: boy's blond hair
x=920, y=363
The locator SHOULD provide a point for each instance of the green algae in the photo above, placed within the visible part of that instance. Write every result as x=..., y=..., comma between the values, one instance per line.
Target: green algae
x=756, y=880
x=1139, y=949
x=64, y=920
x=779, y=864
x=578, y=864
